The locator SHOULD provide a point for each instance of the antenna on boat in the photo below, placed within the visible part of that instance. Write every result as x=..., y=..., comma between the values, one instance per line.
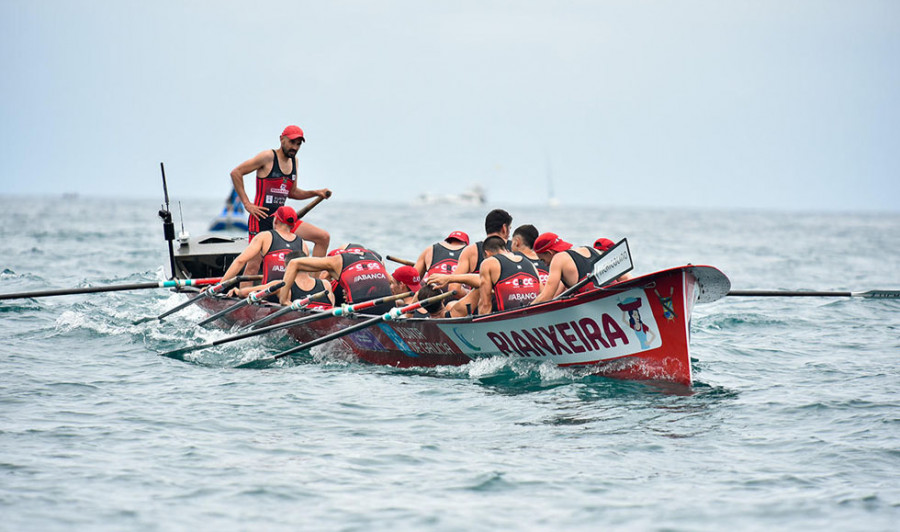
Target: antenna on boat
x=183, y=236
x=168, y=226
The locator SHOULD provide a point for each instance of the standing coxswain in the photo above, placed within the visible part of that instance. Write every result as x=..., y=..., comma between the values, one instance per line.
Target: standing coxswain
x=274, y=186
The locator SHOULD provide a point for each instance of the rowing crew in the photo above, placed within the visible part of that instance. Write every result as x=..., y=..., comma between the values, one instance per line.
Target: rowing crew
x=495, y=274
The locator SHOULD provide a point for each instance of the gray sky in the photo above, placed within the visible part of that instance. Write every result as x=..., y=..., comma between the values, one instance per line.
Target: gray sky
x=723, y=104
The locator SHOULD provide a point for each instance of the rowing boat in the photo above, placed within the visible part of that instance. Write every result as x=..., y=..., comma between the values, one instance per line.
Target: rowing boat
x=637, y=330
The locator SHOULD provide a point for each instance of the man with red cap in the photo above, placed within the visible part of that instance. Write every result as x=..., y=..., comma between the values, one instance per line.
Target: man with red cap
x=568, y=264
x=442, y=257
x=405, y=279
x=269, y=248
x=274, y=185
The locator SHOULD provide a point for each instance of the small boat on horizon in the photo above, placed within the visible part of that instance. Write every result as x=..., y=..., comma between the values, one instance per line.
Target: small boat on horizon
x=233, y=216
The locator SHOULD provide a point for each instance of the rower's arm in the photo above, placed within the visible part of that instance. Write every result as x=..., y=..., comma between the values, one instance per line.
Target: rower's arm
x=554, y=282
x=252, y=250
x=467, y=259
x=301, y=194
x=442, y=280
x=424, y=258
x=237, y=180
x=489, y=273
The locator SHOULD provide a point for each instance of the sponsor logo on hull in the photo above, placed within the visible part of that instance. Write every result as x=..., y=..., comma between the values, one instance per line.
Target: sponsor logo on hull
x=612, y=327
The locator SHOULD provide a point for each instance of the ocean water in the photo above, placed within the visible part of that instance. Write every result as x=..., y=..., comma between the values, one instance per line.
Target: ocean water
x=793, y=422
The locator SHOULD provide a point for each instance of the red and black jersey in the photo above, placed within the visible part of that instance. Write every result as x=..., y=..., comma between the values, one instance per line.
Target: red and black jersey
x=364, y=277
x=273, y=260
x=272, y=192
x=517, y=285
x=320, y=302
x=542, y=269
x=443, y=260
x=480, y=247
x=584, y=265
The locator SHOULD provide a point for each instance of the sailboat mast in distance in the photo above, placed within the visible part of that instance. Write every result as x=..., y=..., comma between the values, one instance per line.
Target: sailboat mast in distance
x=551, y=197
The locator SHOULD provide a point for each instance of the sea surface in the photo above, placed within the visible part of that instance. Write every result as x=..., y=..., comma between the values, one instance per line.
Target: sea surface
x=793, y=422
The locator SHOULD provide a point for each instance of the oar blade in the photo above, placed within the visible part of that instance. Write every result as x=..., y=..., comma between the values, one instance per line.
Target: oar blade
x=259, y=363
x=178, y=354
x=879, y=294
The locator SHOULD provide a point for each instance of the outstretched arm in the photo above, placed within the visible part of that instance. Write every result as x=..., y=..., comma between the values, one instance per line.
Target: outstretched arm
x=307, y=264
x=440, y=280
x=254, y=249
x=298, y=193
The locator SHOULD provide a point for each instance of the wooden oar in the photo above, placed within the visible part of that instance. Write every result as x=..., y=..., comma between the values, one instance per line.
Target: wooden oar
x=178, y=354
x=393, y=314
x=255, y=297
x=114, y=288
x=400, y=261
x=309, y=206
x=215, y=289
x=295, y=305
x=872, y=294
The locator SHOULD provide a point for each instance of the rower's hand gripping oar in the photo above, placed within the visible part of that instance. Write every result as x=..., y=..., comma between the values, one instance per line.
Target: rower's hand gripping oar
x=393, y=314
x=255, y=297
x=178, y=354
x=212, y=290
x=295, y=305
x=176, y=283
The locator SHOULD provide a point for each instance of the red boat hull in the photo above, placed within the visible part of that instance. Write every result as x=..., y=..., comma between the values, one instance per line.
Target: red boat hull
x=637, y=330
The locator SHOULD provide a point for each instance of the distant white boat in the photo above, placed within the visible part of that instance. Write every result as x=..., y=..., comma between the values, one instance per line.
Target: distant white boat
x=474, y=196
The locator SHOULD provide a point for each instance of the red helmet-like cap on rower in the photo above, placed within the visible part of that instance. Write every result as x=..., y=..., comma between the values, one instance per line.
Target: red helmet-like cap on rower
x=550, y=242
x=288, y=216
x=458, y=235
x=603, y=244
x=408, y=276
x=293, y=132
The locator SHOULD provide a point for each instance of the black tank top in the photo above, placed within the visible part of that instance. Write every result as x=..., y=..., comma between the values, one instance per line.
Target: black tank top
x=364, y=277
x=273, y=260
x=272, y=192
x=316, y=302
x=539, y=265
x=517, y=285
x=443, y=260
x=583, y=264
x=480, y=259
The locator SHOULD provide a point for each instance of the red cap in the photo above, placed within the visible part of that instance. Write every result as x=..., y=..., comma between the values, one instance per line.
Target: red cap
x=408, y=276
x=336, y=251
x=550, y=242
x=288, y=216
x=458, y=235
x=293, y=132
x=603, y=244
